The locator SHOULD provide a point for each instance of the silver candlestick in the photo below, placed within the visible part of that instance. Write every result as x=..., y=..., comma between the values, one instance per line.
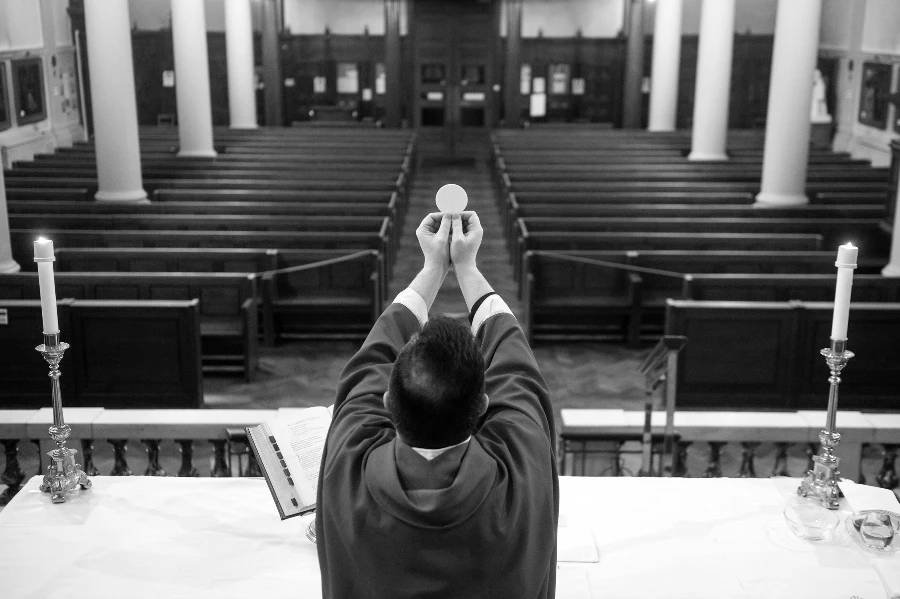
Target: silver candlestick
x=822, y=481
x=63, y=474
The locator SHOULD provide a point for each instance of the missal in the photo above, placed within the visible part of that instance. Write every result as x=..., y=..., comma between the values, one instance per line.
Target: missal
x=289, y=451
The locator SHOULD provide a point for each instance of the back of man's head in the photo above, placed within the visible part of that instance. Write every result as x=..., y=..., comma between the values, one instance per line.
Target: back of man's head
x=437, y=385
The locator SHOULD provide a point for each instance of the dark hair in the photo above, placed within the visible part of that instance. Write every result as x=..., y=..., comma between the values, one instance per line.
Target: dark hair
x=437, y=384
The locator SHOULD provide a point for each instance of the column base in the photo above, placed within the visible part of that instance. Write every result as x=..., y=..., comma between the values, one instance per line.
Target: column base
x=138, y=196
x=9, y=266
x=891, y=270
x=772, y=200
x=197, y=154
x=244, y=126
x=708, y=156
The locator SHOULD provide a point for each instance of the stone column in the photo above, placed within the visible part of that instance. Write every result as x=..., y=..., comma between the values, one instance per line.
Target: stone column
x=511, y=100
x=712, y=94
x=7, y=264
x=392, y=63
x=271, y=61
x=666, y=65
x=192, y=78
x=113, y=104
x=790, y=92
x=632, y=96
x=239, y=54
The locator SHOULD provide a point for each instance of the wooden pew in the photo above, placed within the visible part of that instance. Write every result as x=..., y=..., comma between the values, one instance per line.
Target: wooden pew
x=228, y=305
x=122, y=354
x=765, y=355
x=323, y=296
x=785, y=287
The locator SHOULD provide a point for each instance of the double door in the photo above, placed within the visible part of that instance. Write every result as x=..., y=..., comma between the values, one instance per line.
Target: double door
x=454, y=63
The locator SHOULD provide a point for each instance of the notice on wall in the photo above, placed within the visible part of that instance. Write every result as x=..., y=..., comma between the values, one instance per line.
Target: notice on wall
x=578, y=86
x=347, y=78
x=525, y=80
x=290, y=82
x=320, y=84
x=380, y=79
x=559, y=79
x=168, y=78
x=367, y=94
x=539, y=85
x=538, y=106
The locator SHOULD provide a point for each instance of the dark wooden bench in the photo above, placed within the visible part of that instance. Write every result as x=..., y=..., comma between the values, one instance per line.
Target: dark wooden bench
x=778, y=287
x=228, y=305
x=323, y=296
x=122, y=354
x=864, y=232
x=765, y=355
x=75, y=194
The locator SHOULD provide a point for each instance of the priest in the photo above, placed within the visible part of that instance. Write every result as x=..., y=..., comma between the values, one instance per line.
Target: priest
x=439, y=476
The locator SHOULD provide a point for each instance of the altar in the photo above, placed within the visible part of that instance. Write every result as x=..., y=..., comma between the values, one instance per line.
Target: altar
x=184, y=537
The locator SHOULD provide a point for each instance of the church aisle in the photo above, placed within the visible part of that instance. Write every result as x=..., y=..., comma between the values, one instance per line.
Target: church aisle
x=493, y=258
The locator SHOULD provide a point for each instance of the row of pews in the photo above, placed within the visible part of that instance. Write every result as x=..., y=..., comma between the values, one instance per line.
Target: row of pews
x=287, y=233
x=616, y=234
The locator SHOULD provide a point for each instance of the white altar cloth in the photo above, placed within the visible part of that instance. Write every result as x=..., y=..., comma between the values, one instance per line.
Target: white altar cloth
x=178, y=537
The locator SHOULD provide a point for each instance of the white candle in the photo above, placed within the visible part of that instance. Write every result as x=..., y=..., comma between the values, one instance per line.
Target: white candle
x=846, y=262
x=43, y=255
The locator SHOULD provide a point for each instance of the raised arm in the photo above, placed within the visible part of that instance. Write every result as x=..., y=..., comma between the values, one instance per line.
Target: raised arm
x=512, y=377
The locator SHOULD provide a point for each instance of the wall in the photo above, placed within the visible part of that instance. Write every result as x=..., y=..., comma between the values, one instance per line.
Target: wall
x=41, y=28
x=855, y=32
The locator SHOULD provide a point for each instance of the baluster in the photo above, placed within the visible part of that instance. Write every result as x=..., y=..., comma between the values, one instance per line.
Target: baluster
x=220, y=466
x=811, y=450
x=87, y=451
x=714, y=468
x=679, y=468
x=780, y=468
x=120, y=467
x=13, y=475
x=252, y=465
x=887, y=478
x=153, y=467
x=748, y=467
x=187, y=458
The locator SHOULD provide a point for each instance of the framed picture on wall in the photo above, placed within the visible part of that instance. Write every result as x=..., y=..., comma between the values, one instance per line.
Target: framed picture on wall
x=4, y=102
x=873, y=98
x=28, y=90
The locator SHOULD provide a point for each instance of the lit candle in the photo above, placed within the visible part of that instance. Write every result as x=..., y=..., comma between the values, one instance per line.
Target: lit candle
x=846, y=262
x=43, y=255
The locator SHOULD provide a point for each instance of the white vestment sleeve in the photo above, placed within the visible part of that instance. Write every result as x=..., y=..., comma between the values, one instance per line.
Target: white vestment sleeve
x=416, y=304
x=493, y=305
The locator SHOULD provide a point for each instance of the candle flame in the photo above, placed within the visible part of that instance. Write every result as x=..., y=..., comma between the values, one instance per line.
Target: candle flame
x=42, y=240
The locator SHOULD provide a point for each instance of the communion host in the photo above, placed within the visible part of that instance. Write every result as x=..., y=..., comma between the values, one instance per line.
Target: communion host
x=439, y=476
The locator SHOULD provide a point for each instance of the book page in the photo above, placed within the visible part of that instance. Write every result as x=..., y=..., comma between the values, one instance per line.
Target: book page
x=305, y=434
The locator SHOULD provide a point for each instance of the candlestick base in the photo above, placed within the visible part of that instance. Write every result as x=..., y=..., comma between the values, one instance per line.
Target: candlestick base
x=63, y=474
x=822, y=481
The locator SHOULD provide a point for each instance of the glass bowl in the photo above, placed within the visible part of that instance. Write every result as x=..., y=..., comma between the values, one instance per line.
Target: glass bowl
x=811, y=522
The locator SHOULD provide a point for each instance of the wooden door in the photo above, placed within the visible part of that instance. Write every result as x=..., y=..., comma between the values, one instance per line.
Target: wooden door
x=453, y=59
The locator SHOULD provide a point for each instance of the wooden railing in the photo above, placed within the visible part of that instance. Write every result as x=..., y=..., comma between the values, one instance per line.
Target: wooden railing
x=222, y=428
x=587, y=432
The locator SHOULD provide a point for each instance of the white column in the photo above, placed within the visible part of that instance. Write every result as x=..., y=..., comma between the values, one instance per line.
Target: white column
x=192, y=78
x=710, y=132
x=239, y=55
x=113, y=105
x=666, y=64
x=790, y=92
x=7, y=264
x=893, y=267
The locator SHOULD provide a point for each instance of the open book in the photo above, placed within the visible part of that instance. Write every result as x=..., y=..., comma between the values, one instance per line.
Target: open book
x=289, y=451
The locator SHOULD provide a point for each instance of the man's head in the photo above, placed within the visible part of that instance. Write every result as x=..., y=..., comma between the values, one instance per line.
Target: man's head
x=436, y=391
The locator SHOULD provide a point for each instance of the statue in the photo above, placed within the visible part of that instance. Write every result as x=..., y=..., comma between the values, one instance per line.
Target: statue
x=819, y=108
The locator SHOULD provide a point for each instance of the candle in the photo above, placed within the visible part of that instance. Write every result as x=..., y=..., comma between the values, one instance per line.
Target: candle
x=846, y=262
x=43, y=255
